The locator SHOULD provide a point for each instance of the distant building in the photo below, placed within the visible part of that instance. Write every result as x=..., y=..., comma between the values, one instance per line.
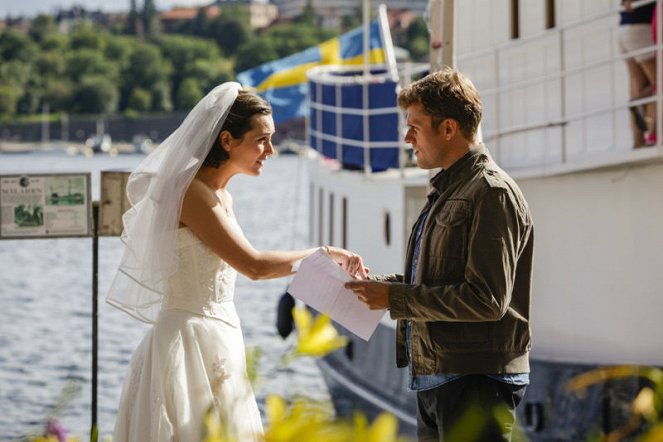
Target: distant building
x=260, y=14
x=329, y=13
x=66, y=19
x=171, y=20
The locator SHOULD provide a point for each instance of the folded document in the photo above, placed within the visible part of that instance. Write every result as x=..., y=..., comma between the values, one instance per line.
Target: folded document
x=319, y=283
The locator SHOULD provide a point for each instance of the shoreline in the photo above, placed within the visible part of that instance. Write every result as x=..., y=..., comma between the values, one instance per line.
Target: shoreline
x=72, y=148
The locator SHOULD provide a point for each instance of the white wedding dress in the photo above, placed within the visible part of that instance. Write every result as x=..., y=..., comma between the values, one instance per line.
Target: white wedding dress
x=192, y=359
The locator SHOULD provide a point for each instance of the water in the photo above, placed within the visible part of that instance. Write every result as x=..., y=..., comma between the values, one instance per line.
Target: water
x=45, y=302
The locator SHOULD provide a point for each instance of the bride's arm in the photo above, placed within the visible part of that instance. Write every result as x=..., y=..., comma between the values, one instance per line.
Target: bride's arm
x=208, y=219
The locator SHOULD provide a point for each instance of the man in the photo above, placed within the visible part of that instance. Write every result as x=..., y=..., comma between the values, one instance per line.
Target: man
x=463, y=303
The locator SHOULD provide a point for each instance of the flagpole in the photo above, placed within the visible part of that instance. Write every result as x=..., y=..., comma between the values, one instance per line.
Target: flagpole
x=442, y=29
x=366, y=14
x=388, y=45
x=365, y=99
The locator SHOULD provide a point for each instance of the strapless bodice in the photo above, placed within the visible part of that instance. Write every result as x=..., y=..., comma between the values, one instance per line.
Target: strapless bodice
x=203, y=284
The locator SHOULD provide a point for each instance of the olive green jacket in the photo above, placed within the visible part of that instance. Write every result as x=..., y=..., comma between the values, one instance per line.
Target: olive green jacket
x=470, y=300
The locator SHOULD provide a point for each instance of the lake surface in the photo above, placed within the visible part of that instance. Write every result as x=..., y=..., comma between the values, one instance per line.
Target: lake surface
x=45, y=302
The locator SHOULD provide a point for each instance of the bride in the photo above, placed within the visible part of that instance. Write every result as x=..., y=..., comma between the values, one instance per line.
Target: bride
x=183, y=251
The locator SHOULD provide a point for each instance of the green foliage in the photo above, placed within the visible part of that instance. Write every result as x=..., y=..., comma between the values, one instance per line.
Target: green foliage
x=140, y=100
x=142, y=70
x=119, y=50
x=59, y=93
x=415, y=39
x=8, y=101
x=96, y=95
x=278, y=42
x=89, y=62
x=50, y=65
x=230, y=29
x=254, y=53
x=150, y=18
x=42, y=27
x=161, y=101
x=15, y=46
x=15, y=74
x=55, y=42
x=188, y=94
x=86, y=36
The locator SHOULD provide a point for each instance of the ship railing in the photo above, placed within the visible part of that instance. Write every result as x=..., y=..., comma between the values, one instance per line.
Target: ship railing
x=577, y=132
x=354, y=117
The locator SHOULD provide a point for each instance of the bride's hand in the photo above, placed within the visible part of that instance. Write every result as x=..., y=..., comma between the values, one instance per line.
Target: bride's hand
x=351, y=262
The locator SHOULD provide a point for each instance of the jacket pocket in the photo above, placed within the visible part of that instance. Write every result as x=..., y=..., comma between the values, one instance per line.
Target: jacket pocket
x=461, y=336
x=449, y=241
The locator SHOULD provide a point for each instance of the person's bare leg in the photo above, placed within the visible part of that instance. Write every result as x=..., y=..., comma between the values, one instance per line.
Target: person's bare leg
x=638, y=81
x=649, y=69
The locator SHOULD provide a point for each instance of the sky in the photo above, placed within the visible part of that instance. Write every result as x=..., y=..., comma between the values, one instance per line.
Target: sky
x=31, y=8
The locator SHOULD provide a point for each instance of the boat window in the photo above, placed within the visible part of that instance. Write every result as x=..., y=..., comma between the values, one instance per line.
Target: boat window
x=550, y=14
x=387, y=228
x=515, y=19
x=344, y=225
x=321, y=200
x=331, y=219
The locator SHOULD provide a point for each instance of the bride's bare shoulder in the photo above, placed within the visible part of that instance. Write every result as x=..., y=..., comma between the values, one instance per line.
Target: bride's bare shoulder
x=199, y=192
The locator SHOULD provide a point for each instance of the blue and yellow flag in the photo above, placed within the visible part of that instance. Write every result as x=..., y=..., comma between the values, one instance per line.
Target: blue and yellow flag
x=283, y=82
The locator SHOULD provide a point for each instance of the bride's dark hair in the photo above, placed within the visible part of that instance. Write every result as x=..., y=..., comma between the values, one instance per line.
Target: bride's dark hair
x=238, y=122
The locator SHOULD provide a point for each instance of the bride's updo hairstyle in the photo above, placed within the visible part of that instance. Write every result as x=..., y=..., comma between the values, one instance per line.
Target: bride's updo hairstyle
x=238, y=123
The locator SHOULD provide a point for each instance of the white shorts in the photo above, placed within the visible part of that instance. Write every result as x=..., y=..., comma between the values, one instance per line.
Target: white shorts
x=633, y=37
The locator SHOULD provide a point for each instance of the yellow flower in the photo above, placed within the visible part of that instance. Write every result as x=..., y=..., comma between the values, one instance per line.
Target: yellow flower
x=215, y=430
x=315, y=338
x=383, y=429
x=302, y=421
x=644, y=403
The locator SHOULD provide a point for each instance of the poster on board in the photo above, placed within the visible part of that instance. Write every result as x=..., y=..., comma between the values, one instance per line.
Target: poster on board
x=45, y=205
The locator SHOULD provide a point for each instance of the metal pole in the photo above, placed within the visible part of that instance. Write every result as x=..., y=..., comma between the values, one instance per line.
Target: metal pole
x=95, y=314
x=442, y=46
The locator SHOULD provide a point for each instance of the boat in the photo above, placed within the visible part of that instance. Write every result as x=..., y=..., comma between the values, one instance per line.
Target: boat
x=556, y=118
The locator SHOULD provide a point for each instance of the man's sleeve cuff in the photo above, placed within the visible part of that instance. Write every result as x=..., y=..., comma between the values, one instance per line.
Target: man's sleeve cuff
x=398, y=308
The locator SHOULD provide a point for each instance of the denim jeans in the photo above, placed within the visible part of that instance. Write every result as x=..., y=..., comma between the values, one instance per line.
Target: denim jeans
x=472, y=408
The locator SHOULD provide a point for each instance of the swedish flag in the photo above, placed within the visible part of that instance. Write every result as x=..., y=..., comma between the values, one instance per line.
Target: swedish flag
x=283, y=82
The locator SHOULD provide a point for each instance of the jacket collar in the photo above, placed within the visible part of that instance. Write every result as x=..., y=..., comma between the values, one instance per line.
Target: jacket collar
x=462, y=167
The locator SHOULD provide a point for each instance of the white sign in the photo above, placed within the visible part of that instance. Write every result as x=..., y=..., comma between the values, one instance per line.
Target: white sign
x=45, y=206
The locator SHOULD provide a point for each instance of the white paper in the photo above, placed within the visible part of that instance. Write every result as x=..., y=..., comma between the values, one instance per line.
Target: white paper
x=319, y=283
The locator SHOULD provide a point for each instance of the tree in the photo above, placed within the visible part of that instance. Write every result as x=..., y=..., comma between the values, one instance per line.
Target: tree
x=307, y=17
x=132, y=18
x=55, y=42
x=150, y=18
x=41, y=27
x=417, y=39
x=15, y=46
x=188, y=54
x=254, y=53
x=85, y=36
x=50, y=65
x=161, y=101
x=8, y=101
x=188, y=94
x=59, y=93
x=231, y=29
x=96, y=94
x=85, y=62
x=119, y=50
x=140, y=100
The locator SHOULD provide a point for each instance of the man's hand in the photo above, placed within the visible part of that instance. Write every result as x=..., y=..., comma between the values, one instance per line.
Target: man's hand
x=373, y=293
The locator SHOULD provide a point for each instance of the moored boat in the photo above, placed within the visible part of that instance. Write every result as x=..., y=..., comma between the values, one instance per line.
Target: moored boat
x=556, y=117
